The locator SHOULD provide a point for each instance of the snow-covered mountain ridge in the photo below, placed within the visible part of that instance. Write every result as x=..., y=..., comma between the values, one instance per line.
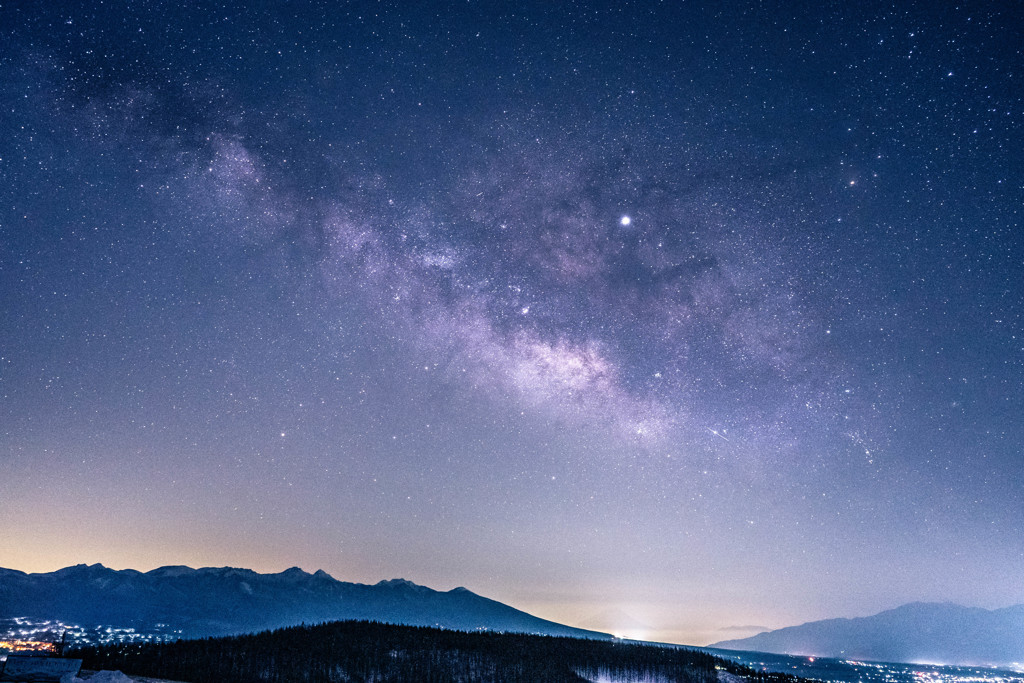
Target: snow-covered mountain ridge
x=228, y=600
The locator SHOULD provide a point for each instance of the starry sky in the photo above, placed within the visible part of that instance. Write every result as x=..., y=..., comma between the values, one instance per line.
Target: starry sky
x=671, y=319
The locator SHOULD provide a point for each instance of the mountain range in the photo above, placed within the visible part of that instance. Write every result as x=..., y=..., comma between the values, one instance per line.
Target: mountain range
x=937, y=633
x=223, y=601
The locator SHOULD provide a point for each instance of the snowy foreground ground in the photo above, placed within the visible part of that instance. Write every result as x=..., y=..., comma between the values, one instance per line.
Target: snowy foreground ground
x=723, y=677
x=118, y=677
x=109, y=677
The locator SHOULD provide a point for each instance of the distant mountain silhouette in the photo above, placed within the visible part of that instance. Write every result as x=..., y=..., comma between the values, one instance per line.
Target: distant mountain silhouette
x=919, y=632
x=223, y=601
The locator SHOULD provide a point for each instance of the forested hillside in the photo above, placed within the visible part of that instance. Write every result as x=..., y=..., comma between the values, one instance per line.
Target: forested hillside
x=368, y=651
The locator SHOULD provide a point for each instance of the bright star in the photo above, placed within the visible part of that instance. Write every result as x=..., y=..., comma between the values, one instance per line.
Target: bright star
x=717, y=433
x=625, y=220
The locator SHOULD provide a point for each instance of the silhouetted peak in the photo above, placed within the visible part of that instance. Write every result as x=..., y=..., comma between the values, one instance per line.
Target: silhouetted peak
x=401, y=583
x=82, y=569
x=172, y=570
x=294, y=573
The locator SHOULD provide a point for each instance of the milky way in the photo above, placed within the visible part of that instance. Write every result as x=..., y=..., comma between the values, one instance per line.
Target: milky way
x=638, y=317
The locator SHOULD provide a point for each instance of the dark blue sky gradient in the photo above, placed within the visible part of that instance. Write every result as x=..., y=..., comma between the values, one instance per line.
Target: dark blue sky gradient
x=348, y=286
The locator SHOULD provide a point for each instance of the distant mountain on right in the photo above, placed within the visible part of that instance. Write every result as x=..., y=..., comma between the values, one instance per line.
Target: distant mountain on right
x=921, y=632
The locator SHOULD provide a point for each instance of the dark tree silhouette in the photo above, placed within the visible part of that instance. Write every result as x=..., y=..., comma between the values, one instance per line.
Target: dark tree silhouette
x=360, y=651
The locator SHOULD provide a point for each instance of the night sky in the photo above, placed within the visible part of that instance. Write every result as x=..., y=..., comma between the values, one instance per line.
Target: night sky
x=657, y=318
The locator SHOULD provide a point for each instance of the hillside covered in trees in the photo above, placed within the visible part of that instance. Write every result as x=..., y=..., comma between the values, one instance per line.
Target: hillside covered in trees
x=360, y=651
